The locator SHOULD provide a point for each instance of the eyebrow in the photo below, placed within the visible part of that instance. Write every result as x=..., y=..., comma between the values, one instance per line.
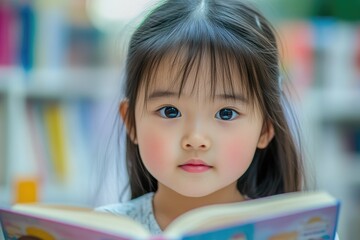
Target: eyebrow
x=225, y=96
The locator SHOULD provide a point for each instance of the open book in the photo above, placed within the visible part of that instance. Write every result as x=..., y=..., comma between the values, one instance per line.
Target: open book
x=300, y=215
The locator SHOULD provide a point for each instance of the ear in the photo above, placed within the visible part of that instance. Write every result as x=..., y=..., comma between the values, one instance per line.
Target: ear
x=267, y=134
x=123, y=110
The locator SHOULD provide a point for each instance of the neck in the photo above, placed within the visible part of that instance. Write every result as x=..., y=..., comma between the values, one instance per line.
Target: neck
x=168, y=204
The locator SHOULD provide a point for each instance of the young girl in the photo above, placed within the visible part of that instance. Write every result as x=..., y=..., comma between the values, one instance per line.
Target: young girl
x=204, y=112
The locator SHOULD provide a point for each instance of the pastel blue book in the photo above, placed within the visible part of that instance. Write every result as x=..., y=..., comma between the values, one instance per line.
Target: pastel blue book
x=290, y=216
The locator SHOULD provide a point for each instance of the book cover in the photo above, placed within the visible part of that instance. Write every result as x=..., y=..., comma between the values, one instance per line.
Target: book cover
x=311, y=224
x=303, y=216
x=22, y=226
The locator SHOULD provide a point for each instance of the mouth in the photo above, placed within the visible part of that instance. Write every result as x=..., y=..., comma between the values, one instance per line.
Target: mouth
x=195, y=166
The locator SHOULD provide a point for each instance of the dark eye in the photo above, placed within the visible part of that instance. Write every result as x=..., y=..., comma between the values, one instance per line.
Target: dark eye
x=169, y=112
x=227, y=114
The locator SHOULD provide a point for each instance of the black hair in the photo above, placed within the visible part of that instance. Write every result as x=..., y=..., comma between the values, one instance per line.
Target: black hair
x=229, y=33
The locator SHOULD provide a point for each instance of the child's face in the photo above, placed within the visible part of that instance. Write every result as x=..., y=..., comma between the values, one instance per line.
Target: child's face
x=196, y=144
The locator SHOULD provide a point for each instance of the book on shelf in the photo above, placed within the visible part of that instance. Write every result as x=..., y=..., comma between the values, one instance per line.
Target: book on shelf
x=55, y=129
x=8, y=38
x=3, y=134
x=299, y=215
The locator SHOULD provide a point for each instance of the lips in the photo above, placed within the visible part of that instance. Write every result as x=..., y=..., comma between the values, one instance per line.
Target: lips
x=195, y=166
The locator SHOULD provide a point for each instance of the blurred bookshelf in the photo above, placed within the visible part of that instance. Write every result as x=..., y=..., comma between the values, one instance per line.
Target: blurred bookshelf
x=58, y=75
x=48, y=130
x=322, y=56
x=320, y=42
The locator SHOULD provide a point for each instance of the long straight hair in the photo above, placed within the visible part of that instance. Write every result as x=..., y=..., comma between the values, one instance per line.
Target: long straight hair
x=231, y=34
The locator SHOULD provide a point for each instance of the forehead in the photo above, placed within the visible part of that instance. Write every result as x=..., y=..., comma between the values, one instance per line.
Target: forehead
x=188, y=74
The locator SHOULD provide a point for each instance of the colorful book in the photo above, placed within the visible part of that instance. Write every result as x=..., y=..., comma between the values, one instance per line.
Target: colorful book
x=8, y=31
x=300, y=215
x=55, y=129
x=3, y=145
x=27, y=21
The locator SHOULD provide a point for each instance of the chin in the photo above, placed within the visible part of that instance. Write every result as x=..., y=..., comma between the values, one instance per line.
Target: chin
x=196, y=193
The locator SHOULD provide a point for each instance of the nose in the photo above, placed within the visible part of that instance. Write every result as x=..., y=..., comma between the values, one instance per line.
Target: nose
x=196, y=142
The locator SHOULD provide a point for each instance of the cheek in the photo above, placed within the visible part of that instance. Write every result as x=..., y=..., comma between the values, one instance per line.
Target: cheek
x=238, y=152
x=151, y=148
x=232, y=151
x=154, y=148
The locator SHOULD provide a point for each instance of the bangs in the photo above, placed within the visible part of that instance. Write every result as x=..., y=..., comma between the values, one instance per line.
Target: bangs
x=186, y=53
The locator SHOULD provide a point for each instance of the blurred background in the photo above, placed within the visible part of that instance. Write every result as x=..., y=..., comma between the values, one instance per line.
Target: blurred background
x=60, y=82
